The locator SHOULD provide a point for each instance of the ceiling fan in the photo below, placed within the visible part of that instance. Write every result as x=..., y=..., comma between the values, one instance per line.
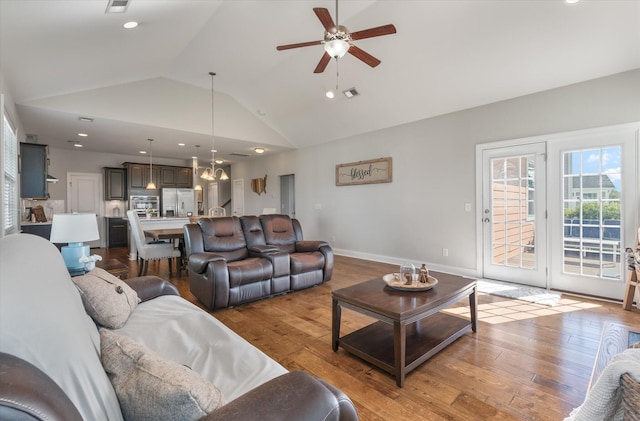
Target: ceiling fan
x=338, y=40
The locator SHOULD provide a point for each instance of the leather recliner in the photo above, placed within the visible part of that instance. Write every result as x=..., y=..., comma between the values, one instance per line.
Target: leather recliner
x=221, y=271
x=311, y=262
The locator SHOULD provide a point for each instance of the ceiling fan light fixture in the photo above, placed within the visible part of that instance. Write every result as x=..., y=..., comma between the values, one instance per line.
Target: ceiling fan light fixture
x=336, y=48
x=329, y=94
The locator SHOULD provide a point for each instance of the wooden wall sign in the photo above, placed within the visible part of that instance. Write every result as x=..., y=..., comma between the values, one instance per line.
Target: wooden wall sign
x=364, y=172
x=259, y=185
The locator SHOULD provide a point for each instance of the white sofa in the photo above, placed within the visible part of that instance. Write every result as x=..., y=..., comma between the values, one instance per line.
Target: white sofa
x=43, y=322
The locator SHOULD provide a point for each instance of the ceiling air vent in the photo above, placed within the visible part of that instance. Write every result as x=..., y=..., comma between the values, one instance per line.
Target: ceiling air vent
x=117, y=6
x=239, y=154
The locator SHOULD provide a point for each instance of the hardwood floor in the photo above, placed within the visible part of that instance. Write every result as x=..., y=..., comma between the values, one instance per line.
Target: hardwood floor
x=526, y=361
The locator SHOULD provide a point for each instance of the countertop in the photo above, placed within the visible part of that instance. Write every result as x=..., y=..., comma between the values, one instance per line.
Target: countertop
x=23, y=223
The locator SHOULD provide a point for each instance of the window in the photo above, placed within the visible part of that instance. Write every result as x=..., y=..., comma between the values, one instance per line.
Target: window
x=10, y=179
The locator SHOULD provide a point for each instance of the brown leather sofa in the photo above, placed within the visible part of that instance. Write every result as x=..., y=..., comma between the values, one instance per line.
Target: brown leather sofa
x=238, y=260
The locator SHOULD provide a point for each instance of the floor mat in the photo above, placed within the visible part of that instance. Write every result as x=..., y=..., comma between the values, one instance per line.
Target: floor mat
x=519, y=292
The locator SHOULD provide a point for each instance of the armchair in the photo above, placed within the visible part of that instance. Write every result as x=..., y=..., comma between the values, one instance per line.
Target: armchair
x=311, y=262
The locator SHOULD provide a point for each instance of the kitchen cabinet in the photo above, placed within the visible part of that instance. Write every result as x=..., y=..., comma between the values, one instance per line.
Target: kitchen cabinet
x=138, y=177
x=163, y=176
x=184, y=179
x=33, y=170
x=115, y=184
x=176, y=177
x=40, y=229
x=117, y=234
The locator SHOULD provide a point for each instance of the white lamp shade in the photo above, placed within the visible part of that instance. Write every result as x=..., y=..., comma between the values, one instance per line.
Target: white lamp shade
x=336, y=48
x=74, y=228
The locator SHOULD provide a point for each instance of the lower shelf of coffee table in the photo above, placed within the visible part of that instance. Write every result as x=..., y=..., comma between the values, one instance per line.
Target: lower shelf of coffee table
x=425, y=338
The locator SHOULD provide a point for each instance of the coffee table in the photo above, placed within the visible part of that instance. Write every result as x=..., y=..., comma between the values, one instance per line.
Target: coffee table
x=410, y=327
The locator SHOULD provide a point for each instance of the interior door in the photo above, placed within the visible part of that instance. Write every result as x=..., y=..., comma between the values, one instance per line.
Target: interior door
x=288, y=195
x=237, y=197
x=513, y=214
x=212, y=196
x=84, y=195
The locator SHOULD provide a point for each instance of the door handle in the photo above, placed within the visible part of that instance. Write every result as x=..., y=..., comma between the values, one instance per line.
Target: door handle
x=486, y=220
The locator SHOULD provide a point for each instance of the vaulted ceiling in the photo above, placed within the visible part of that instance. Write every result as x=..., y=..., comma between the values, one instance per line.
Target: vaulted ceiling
x=66, y=59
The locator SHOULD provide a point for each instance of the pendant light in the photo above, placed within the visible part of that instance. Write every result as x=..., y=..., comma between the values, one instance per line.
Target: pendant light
x=151, y=185
x=209, y=174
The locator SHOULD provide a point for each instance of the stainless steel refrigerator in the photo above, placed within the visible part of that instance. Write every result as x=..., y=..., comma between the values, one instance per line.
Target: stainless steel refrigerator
x=179, y=202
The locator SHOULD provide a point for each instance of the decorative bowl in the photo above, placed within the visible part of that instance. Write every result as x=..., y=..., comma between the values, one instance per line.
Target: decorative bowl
x=394, y=281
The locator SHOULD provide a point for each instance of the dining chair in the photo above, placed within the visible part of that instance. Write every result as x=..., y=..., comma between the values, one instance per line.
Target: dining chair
x=147, y=251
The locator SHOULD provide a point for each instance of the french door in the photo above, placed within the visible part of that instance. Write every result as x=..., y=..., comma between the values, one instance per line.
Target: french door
x=513, y=214
x=597, y=199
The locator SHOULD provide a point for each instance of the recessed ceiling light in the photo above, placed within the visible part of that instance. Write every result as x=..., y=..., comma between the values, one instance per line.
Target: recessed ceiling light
x=86, y=119
x=130, y=25
x=219, y=161
x=78, y=145
x=214, y=150
x=194, y=157
x=571, y=1
x=83, y=134
x=259, y=150
x=330, y=94
x=180, y=144
x=143, y=152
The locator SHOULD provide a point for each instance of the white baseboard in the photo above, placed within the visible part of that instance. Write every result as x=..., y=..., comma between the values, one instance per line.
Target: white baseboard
x=454, y=270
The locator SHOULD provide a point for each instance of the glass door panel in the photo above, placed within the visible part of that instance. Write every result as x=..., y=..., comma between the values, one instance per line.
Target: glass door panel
x=513, y=237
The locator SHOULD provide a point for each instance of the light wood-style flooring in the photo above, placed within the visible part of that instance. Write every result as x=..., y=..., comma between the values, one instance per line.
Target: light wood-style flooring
x=527, y=361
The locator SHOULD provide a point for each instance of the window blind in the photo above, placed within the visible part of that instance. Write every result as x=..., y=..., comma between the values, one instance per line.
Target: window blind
x=10, y=188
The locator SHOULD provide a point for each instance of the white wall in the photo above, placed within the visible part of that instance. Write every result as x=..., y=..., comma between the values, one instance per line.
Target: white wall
x=422, y=210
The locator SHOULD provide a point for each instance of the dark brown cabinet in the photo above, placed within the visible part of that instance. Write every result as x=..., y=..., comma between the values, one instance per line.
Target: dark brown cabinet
x=115, y=184
x=33, y=170
x=42, y=230
x=116, y=232
x=163, y=176
x=183, y=177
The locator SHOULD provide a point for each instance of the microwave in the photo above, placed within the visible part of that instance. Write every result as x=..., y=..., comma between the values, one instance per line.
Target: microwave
x=140, y=204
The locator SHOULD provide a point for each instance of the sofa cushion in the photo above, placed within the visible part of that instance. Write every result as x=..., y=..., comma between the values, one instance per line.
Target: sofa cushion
x=43, y=321
x=152, y=388
x=250, y=270
x=108, y=300
x=306, y=262
x=221, y=356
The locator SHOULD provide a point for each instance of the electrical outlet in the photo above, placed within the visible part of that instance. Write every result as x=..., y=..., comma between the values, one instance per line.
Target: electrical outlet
x=445, y=252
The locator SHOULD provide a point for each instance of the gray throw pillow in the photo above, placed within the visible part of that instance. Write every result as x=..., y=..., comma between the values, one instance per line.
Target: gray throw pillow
x=152, y=388
x=108, y=300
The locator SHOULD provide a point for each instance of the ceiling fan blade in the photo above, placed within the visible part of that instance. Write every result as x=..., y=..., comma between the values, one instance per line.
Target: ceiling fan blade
x=374, y=32
x=324, y=61
x=325, y=19
x=364, y=56
x=298, y=45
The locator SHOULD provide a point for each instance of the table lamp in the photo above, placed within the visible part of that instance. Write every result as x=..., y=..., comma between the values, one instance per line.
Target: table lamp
x=74, y=228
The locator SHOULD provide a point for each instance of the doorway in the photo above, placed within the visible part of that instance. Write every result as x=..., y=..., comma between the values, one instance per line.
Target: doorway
x=513, y=214
x=84, y=195
x=288, y=195
x=237, y=197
